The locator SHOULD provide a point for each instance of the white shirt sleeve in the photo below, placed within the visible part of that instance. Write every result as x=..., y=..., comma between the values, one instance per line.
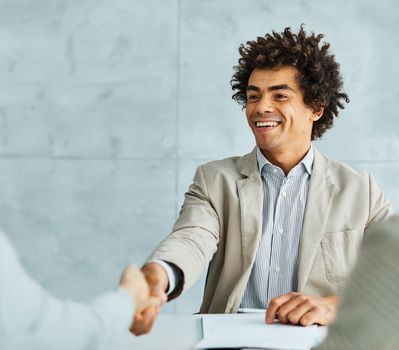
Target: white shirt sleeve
x=31, y=318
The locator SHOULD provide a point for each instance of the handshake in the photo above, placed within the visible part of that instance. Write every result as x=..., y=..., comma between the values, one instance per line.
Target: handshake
x=147, y=288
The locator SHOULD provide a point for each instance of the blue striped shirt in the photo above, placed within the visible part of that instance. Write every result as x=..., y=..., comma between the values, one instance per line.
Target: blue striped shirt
x=274, y=272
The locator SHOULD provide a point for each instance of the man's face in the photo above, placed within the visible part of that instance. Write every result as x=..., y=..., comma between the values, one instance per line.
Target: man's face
x=276, y=113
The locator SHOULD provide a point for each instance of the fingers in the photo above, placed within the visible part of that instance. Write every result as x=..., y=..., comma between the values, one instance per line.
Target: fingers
x=311, y=317
x=323, y=312
x=135, y=282
x=275, y=304
x=296, y=308
x=132, y=274
x=317, y=310
x=144, y=321
x=147, y=287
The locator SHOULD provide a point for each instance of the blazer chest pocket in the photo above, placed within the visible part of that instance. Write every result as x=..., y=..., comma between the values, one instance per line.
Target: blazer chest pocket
x=340, y=251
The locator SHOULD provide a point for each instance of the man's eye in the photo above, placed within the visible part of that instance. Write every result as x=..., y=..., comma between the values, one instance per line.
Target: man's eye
x=280, y=97
x=252, y=98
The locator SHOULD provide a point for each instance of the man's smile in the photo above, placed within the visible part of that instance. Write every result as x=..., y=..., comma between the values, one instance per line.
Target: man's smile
x=267, y=125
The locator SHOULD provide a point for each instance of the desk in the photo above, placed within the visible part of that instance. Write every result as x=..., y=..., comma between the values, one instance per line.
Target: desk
x=170, y=332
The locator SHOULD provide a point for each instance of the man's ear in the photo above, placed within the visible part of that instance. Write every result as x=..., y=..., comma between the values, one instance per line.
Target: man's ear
x=317, y=114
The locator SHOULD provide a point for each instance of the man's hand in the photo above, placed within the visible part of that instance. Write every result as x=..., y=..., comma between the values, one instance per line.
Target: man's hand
x=133, y=280
x=158, y=281
x=296, y=308
x=157, y=278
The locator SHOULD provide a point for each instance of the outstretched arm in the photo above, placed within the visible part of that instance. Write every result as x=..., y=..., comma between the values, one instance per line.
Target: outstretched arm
x=32, y=318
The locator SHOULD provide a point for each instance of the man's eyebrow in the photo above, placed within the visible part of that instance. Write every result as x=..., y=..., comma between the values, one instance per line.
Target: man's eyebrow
x=270, y=88
x=252, y=87
x=280, y=87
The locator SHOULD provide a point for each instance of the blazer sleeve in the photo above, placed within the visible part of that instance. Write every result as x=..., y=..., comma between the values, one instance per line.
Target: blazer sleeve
x=31, y=318
x=194, y=236
x=380, y=208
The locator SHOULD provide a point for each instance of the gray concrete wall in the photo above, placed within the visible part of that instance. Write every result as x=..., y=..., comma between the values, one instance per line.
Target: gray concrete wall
x=107, y=107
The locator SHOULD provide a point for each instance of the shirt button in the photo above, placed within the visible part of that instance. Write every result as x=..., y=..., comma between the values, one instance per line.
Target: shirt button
x=284, y=193
x=274, y=170
x=280, y=230
x=277, y=268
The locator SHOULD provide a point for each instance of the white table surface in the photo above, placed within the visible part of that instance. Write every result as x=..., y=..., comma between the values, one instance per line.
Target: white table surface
x=170, y=332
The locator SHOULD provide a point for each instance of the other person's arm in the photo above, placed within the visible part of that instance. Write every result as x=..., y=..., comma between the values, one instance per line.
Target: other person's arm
x=368, y=317
x=32, y=318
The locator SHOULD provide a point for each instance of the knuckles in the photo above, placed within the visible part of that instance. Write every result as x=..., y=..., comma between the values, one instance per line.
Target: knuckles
x=293, y=319
x=306, y=320
x=303, y=298
x=275, y=302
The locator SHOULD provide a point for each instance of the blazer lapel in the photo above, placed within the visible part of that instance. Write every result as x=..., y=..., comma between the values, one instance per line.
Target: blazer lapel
x=250, y=193
x=251, y=201
x=320, y=196
x=251, y=198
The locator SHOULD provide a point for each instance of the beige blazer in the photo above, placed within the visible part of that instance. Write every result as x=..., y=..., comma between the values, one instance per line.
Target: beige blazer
x=221, y=222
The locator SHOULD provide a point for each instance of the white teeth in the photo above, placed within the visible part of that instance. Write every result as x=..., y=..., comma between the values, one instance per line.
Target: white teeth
x=268, y=123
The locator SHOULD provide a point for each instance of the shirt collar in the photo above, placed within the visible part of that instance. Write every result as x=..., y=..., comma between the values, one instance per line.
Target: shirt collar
x=307, y=161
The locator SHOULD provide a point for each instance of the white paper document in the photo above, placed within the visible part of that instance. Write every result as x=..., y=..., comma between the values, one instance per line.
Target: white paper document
x=243, y=310
x=251, y=331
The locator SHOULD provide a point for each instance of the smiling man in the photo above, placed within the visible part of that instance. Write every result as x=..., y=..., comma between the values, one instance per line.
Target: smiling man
x=281, y=226
x=279, y=119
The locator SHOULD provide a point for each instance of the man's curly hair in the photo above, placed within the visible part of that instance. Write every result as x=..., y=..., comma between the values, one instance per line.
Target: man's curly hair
x=319, y=77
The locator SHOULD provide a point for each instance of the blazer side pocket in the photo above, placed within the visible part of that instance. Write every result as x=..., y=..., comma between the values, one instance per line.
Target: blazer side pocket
x=340, y=251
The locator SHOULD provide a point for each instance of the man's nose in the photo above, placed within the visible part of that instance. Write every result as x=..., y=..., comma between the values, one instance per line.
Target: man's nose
x=265, y=105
